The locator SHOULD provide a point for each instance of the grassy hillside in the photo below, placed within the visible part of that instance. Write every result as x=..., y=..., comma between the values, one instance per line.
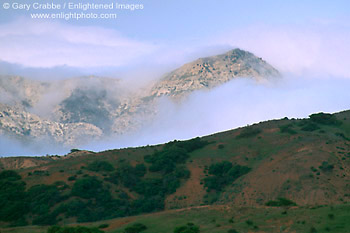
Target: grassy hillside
x=222, y=219
x=284, y=175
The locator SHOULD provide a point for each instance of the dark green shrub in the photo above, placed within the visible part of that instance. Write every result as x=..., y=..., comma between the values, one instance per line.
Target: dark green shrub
x=135, y=228
x=287, y=129
x=182, y=172
x=42, y=197
x=325, y=119
x=165, y=161
x=309, y=126
x=79, y=172
x=128, y=175
x=189, y=228
x=326, y=167
x=102, y=226
x=98, y=166
x=149, y=187
x=281, y=202
x=249, y=222
x=232, y=231
x=249, y=132
x=148, y=204
x=45, y=219
x=74, y=150
x=140, y=170
x=223, y=173
x=90, y=187
x=12, y=196
x=10, y=175
x=221, y=146
x=78, y=229
x=342, y=136
x=41, y=173
x=189, y=145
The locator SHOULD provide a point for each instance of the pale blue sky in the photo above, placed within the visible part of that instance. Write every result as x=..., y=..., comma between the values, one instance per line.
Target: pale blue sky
x=169, y=33
x=167, y=19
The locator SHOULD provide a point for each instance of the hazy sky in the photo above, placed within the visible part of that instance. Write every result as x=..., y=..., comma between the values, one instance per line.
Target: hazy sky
x=292, y=35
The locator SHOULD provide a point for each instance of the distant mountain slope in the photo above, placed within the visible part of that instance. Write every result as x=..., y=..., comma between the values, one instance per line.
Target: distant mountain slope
x=21, y=92
x=209, y=72
x=68, y=111
x=30, y=127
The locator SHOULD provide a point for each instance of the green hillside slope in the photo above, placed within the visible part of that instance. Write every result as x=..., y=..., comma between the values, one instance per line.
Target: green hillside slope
x=276, y=174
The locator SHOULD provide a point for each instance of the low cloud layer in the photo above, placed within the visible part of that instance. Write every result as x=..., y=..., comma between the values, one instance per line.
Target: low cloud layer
x=236, y=104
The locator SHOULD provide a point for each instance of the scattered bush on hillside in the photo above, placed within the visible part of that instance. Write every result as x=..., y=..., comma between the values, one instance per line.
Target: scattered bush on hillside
x=104, y=225
x=89, y=187
x=140, y=170
x=342, y=136
x=9, y=175
x=41, y=173
x=325, y=119
x=281, y=202
x=249, y=132
x=221, y=146
x=74, y=150
x=182, y=172
x=128, y=175
x=331, y=216
x=89, y=198
x=135, y=228
x=288, y=128
x=222, y=174
x=307, y=125
x=78, y=229
x=12, y=196
x=43, y=197
x=99, y=166
x=165, y=161
x=326, y=167
x=189, y=228
x=232, y=231
x=249, y=222
x=189, y=145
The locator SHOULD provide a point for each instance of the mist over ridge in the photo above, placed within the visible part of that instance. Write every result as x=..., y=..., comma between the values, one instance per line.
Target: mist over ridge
x=168, y=112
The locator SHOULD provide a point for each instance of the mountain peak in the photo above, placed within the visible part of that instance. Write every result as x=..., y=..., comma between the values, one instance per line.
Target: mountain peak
x=209, y=72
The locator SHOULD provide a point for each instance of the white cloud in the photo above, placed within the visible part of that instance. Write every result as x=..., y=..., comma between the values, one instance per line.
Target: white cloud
x=235, y=104
x=321, y=49
x=48, y=44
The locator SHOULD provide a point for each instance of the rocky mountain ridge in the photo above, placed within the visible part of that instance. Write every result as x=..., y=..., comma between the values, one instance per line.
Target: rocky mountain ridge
x=77, y=110
x=30, y=127
x=209, y=72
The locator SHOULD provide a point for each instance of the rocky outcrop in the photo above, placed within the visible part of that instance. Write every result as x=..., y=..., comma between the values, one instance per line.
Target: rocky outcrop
x=209, y=72
x=87, y=108
x=16, y=122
